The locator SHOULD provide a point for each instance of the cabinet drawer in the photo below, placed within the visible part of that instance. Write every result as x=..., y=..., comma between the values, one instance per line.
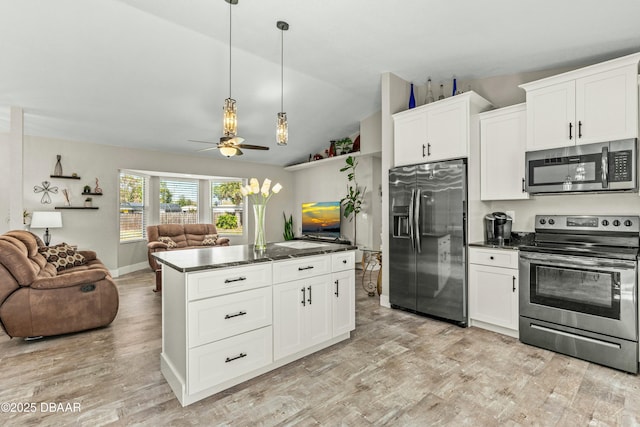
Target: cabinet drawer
x=343, y=261
x=507, y=258
x=301, y=268
x=216, y=318
x=223, y=360
x=228, y=280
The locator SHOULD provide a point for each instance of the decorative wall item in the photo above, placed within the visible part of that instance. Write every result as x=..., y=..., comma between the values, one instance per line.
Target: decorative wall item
x=57, y=170
x=45, y=190
x=97, y=190
x=67, y=197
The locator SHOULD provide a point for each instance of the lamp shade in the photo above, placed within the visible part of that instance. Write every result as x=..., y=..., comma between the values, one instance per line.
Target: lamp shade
x=46, y=220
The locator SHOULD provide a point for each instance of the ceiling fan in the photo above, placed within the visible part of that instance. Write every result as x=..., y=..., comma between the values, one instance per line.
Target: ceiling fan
x=230, y=146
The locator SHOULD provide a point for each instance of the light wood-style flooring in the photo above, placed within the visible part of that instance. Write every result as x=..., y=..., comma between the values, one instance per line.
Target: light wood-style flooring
x=398, y=369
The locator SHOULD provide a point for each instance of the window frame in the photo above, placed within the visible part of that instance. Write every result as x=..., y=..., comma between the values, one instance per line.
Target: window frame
x=144, y=210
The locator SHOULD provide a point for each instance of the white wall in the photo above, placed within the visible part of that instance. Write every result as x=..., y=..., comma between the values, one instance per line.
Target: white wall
x=11, y=167
x=323, y=182
x=98, y=229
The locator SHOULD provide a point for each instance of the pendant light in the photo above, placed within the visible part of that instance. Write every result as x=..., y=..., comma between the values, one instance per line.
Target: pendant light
x=230, y=118
x=282, y=127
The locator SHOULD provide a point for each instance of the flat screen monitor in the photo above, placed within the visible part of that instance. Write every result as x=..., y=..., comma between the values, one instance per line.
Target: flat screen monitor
x=321, y=219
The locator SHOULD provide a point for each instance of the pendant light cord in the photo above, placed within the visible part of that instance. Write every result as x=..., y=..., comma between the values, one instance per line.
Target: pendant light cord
x=282, y=70
x=230, y=5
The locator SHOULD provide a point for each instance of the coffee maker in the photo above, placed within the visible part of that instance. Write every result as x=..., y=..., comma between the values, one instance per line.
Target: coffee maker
x=497, y=228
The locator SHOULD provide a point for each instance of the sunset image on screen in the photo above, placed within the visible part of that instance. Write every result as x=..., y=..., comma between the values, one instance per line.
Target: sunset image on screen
x=321, y=218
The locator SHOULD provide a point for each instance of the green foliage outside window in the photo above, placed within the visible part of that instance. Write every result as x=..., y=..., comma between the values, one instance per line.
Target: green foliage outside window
x=226, y=221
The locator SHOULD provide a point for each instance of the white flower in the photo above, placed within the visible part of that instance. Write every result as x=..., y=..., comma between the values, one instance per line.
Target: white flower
x=265, y=187
x=276, y=188
x=255, y=187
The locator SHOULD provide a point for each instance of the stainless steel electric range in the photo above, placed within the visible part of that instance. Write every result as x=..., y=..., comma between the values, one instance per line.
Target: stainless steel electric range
x=578, y=288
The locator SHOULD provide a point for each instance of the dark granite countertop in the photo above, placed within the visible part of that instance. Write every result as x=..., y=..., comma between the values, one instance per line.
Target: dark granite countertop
x=188, y=260
x=517, y=239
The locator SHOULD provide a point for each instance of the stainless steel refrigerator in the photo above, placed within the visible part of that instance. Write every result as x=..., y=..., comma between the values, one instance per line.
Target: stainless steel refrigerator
x=427, y=239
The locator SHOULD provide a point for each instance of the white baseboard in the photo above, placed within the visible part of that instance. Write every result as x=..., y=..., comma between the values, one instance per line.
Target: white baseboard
x=384, y=301
x=129, y=269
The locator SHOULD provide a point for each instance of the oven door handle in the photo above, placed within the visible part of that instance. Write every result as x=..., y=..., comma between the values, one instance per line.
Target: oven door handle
x=573, y=261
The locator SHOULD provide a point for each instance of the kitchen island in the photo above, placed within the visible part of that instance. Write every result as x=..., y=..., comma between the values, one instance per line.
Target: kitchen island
x=230, y=313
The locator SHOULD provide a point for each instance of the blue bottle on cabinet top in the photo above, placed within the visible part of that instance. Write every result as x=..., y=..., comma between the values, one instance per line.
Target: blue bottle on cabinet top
x=412, y=98
x=455, y=87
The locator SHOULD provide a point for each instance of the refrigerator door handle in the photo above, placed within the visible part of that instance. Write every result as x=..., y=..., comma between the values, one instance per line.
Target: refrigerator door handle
x=416, y=220
x=410, y=221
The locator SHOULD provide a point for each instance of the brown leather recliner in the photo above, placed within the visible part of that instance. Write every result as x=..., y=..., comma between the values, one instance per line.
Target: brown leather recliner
x=37, y=300
x=187, y=236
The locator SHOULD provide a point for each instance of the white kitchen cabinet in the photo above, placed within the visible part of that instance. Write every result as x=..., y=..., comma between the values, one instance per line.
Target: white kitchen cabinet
x=343, y=301
x=593, y=104
x=301, y=315
x=222, y=326
x=502, y=153
x=493, y=290
x=436, y=131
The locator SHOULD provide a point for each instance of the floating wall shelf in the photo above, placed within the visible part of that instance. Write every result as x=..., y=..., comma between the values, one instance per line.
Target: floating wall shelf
x=76, y=207
x=64, y=176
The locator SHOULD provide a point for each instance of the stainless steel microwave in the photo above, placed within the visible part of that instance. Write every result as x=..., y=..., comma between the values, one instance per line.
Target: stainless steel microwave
x=603, y=166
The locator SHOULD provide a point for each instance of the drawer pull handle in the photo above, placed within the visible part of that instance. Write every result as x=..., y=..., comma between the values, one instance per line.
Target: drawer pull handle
x=344, y=261
x=239, y=279
x=231, y=359
x=240, y=313
x=309, y=267
x=491, y=257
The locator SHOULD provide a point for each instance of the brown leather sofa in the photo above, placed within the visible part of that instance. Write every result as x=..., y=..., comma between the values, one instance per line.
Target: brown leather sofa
x=37, y=300
x=187, y=236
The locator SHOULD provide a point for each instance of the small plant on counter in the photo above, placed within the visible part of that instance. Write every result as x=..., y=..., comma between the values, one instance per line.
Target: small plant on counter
x=288, y=227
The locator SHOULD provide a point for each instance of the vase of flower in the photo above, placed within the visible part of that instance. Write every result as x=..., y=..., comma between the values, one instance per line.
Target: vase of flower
x=260, y=195
x=260, y=241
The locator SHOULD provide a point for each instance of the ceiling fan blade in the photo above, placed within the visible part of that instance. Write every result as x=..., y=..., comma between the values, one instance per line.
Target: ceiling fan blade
x=207, y=149
x=204, y=142
x=252, y=147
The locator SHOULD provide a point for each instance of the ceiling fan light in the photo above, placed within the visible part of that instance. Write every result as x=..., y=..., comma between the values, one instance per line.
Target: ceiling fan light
x=282, y=129
x=230, y=118
x=229, y=151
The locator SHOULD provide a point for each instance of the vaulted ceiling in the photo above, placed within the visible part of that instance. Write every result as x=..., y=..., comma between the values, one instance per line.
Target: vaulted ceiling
x=153, y=74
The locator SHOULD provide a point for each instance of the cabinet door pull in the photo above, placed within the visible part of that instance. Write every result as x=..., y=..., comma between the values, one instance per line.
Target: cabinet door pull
x=309, y=267
x=523, y=190
x=423, y=147
x=491, y=257
x=304, y=296
x=231, y=359
x=239, y=279
x=570, y=130
x=579, y=128
x=337, y=292
x=428, y=149
x=240, y=313
x=514, y=283
x=344, y=261
x=309, y=300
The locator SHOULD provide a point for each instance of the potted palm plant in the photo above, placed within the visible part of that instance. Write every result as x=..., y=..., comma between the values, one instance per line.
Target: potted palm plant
x=352, y=202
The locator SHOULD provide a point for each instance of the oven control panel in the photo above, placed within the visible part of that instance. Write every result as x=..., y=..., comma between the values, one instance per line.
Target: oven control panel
x=626, y=223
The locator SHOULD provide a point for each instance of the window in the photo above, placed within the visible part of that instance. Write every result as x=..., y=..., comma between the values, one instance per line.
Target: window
x=227, y=205
x=178, y=201
x=133, y=221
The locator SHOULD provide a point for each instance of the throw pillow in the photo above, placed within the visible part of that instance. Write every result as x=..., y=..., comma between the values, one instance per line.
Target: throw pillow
x=62, y=256
x=168, y=241
x=209, y=239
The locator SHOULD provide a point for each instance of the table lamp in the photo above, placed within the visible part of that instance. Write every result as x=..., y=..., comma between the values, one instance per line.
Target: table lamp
x=46, y=220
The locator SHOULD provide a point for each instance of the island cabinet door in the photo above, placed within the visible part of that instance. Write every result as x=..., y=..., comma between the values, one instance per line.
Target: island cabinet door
x=301, y=315
x=343, y=302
